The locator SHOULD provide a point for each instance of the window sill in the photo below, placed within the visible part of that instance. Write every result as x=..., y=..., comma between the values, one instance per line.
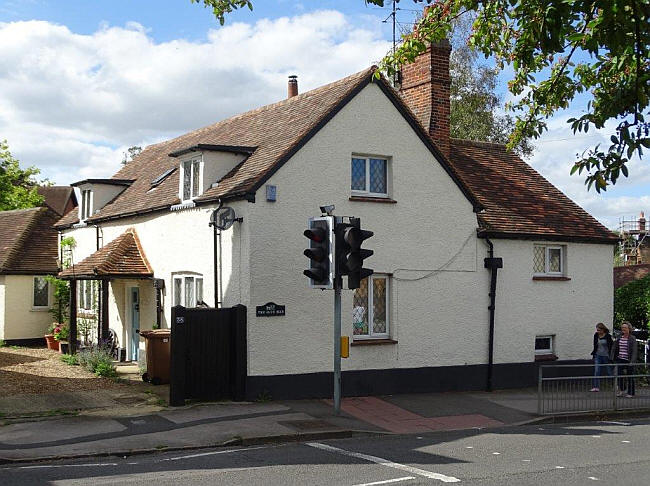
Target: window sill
x=385, y=200
x=372, y=342
x=40, y=309
x=551, y=278
x=545, y=357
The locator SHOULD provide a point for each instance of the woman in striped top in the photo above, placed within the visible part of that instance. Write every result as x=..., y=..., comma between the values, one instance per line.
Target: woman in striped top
x=624, y=353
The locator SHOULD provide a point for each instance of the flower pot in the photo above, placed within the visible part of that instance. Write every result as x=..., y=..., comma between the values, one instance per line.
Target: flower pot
x=64, y=347
x=52, y=343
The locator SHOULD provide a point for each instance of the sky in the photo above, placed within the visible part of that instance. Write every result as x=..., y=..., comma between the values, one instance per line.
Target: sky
x=83, y=80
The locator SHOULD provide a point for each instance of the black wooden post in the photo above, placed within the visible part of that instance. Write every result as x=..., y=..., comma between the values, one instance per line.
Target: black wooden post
x=73, y=317
x=104, y=310
x=241, y=354
x=177, y=376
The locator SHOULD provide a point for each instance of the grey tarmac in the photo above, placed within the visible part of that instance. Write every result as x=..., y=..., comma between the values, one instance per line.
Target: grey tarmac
x=579, y=454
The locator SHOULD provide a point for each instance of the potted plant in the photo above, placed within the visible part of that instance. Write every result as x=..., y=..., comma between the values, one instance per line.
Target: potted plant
x=62, y=334
x=49, y=337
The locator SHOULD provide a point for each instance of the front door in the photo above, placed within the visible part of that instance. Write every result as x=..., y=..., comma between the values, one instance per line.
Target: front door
x=135, y=322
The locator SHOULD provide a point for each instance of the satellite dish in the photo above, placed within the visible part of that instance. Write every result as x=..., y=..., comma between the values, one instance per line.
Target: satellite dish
x=225, y=217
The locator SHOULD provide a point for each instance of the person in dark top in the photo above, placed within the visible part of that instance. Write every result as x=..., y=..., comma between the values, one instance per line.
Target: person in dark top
x=624, y=353
x=603, y=344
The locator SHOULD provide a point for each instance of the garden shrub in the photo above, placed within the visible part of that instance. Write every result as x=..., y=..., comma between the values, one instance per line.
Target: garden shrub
x=98, y=360
x=632, y=303
x=71, y=359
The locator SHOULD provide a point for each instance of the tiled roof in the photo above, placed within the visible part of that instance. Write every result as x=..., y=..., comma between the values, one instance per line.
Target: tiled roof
x=28, y=242
x=57, y=197
x=518, y=201
x=276, y=130
x=122, y=257
x=630, y=273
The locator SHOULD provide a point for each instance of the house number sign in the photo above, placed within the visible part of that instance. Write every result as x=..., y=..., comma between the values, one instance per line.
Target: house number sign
x=270, y=309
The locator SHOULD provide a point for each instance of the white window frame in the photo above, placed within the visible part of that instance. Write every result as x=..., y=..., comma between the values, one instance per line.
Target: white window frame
x=197, y=159
x=366, y=192
x=83, y=303
x=547, y=249
x=47, y=287
x=86, y=207
x=550, y=350
x=182, y=277
x=370, y=310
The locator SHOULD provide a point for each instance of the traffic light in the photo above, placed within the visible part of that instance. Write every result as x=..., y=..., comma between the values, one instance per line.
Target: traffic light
x=350, y=255
x=320, y=253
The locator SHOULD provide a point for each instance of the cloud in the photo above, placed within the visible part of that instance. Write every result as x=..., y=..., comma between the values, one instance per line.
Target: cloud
x=71, y=103
x=556, y=152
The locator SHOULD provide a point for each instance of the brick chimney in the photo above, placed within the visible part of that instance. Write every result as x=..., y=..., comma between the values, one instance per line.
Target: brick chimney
x=292, y=89
x=425, y=88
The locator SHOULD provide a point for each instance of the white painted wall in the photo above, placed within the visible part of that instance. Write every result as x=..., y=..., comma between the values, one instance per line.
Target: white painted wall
x=216, y=165
x=21, y=320
x=174, y=242
x=568, y=310
x=431, y=223
x=2, y=307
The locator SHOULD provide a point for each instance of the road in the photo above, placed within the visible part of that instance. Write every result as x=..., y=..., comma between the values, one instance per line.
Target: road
x=606, y=452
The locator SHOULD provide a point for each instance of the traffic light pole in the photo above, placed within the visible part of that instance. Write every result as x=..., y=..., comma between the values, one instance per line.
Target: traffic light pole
x=338, y=281
x=337, y=347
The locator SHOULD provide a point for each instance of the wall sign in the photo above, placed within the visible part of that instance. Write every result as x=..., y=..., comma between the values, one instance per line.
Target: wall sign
x=270, y=309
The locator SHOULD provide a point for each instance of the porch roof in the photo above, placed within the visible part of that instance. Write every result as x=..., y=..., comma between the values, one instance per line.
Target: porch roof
x=121, y=258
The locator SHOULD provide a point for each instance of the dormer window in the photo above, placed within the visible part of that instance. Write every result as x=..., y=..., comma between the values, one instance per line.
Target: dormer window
x=191, y=178
x=86, y=204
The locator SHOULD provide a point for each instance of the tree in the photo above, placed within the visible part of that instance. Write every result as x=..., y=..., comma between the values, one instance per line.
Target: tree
x=592, y=55
x=476, y=109
x=130, y=154
x=18, y=188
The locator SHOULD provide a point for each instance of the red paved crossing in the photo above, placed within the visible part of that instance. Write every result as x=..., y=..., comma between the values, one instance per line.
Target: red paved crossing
x=400, y=421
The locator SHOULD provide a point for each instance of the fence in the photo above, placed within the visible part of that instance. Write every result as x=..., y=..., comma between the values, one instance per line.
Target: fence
x=566, y=389
x=208, y=354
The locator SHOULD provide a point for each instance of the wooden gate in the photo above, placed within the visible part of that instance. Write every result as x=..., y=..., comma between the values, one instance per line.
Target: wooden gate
x=208, y=354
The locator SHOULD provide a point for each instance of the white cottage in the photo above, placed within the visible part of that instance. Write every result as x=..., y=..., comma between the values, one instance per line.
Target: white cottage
x=438, y=207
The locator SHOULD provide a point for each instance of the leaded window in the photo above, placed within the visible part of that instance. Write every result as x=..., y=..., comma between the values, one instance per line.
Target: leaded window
x=369, y=176
x=548, y=260
x=370, y=316
x=188, y=290
x=41, y=292
x=191, y=179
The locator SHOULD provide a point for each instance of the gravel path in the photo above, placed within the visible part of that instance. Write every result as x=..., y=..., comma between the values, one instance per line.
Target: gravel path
x=40, y=370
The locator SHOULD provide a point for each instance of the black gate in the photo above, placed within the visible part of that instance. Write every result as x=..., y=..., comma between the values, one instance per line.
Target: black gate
x=208, y=354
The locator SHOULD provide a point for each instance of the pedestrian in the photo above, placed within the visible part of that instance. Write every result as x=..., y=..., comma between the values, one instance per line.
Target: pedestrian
x=624, y=354
x=603, y=343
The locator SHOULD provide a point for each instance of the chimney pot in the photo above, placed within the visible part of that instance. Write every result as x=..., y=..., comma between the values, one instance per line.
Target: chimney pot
x=292, y=89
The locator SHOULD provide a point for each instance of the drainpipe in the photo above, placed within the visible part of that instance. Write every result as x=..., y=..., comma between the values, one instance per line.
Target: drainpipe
x=213, y=223
x=493, y=264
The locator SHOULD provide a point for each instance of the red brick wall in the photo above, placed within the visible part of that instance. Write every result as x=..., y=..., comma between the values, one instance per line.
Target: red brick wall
x=425, y=88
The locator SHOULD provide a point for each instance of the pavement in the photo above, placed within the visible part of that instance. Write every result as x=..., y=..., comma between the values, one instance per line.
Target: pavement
x=113, y=426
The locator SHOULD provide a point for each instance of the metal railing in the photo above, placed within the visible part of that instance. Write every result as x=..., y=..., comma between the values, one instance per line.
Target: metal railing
x=564, y=389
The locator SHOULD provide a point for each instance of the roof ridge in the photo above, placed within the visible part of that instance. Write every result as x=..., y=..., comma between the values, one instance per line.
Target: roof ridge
x=478, y=143
x=261, y=109
x=19, y=210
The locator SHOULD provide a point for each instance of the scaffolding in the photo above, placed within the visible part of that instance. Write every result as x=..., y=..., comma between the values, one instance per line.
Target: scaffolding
x=635, y=244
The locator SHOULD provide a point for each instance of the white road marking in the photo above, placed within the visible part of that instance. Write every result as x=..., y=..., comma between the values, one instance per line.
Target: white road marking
x=67, y=465
x=388, y=481
x=386, y=462
x=525, y=460
x=596, y=436
x=559, y=467
x=469, y=447
x=212, y=453
x=496, y=453
x=594, y=478
x=614, y=423
x=625, y=441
